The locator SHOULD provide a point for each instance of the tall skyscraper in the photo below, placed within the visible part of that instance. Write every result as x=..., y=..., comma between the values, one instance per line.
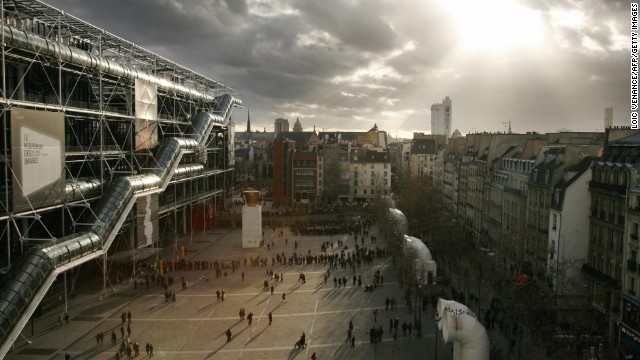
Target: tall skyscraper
x=608, y=117
x=441, y=118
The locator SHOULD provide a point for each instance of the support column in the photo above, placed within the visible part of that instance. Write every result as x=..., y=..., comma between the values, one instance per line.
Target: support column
x=104, y=275
x=66, y=305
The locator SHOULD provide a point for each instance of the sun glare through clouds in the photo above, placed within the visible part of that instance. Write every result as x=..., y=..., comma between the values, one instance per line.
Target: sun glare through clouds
x=494, y=26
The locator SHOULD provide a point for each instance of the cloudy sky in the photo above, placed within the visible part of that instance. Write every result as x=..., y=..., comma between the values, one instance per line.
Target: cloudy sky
x=347, y=64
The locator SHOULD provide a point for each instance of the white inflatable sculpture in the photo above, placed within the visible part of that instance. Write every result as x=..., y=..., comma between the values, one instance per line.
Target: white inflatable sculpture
x=461, y=326
x=399, y=220
x=415, y=248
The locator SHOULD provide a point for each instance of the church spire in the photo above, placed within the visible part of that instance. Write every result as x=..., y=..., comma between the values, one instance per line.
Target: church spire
x=248, y=121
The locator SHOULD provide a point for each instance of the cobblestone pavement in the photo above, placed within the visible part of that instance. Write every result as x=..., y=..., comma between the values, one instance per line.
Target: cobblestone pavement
x=194, y=326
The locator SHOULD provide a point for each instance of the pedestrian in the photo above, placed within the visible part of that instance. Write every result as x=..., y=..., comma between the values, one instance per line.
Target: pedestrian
x=113, y=337
x=284, y=297
x=222, y=295
x=375, y=315
x=243, y=276
x=67, y=356
x=123, y=316
x=218, y=294
x=281, y=277
x=66, y=317
x=128, y=330
x=404, y=328
x=386, y=303
x=98, y=339
x=250, y=318
x=270, y=318
x=129, y=316
x=146, y=348
x=228, y=333
x=272, y=288
x=121, y=331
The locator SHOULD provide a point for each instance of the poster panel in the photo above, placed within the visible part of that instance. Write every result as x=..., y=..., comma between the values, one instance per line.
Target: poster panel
x=37, y=158
x=146, y=105
x=147, y=220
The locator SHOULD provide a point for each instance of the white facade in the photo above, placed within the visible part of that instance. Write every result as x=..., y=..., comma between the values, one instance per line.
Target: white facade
x=371, y=179
x=251, y=226
x=569, y=234
x=441, y=118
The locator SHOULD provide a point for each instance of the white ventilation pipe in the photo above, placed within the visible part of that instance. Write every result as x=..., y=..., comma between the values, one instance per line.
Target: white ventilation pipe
x=461, y=326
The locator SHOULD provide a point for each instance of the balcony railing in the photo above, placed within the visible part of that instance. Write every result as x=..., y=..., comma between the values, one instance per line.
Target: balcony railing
x=618, y=189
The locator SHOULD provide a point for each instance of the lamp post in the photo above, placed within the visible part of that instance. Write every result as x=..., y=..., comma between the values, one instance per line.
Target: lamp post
x=436, y=318
x=418, y=306
x=418, y=318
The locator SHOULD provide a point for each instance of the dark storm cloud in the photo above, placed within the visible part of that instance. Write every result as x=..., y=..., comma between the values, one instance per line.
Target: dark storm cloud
x=353, y=24
x=346, y=63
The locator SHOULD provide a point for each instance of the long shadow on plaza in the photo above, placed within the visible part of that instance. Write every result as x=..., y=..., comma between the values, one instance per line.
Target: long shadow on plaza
x=208, y=307
x=105, y=306
x=294, y=352
x=225, y=344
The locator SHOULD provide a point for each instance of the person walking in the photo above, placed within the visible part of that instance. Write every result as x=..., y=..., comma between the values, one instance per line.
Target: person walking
x=66, y=317
x=284, y=297
x=129, y=317
x=128, y=330
x=250, y=318
x=121, y=331
x=113, y=337
x=228, y=333
x=375, y=315
x=270, y=318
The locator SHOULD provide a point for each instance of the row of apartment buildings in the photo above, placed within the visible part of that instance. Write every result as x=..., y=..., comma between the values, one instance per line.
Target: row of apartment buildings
x=563, y=208
x=305, y=166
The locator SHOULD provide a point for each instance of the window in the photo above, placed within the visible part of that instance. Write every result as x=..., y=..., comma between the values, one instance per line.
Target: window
x=365, y=191
x=372, y=182
x=385, y=174
x=555, y=221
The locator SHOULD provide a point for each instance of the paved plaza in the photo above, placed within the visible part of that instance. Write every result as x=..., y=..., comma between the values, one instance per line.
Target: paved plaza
x=194, y=326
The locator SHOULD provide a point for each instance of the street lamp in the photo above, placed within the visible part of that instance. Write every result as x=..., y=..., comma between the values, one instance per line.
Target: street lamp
x=418, y=307
x=418, y=318
x=437, y=319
